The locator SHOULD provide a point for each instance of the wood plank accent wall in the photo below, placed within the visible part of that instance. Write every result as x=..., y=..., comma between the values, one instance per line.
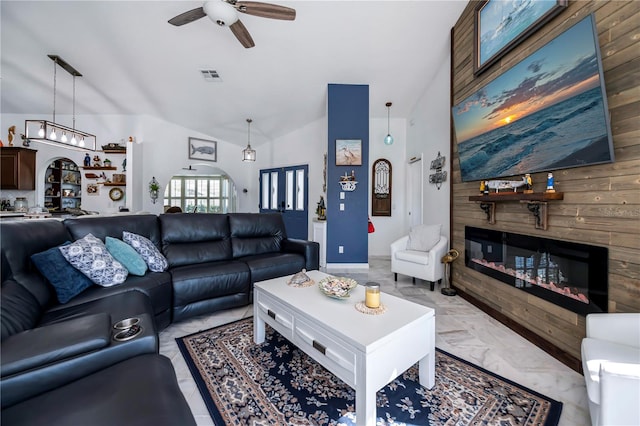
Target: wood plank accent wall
x=601, y=203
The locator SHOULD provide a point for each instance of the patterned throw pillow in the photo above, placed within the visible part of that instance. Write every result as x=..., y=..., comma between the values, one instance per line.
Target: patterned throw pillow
x=126, y=255
x=90, y=256
x=145, y=248
x=67, y=280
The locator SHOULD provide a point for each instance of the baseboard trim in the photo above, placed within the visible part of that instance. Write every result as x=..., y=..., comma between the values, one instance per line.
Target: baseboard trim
x=347, y=266
x=559, y=354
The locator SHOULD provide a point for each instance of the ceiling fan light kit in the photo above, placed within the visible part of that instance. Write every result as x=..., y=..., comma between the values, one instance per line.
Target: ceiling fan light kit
x=225, y=14
x=221, y=13
x=47, y=131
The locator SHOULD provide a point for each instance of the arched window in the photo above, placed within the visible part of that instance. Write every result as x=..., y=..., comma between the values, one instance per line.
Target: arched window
x=206, y=193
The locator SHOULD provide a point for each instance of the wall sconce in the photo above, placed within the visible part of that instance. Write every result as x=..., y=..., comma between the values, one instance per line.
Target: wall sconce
x=249, y=154
x=439, y=176
x=154, y=189
x=49, y=131
x=388, y=140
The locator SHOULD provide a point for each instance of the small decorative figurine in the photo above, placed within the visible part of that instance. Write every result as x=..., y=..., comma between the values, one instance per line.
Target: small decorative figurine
x=96, y=161
x=321, y=209
x=12, y=132
x=483, y=187
x=124, y=165
x=529, y=184
x=550, y=183
x=486, y=187
x=87, y=160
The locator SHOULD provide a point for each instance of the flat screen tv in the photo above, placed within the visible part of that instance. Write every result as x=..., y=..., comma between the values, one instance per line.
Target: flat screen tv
x=547, y=112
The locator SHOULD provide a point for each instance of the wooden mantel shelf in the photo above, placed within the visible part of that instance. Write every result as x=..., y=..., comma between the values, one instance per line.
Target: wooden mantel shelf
x=518, y=196
x=536, y=203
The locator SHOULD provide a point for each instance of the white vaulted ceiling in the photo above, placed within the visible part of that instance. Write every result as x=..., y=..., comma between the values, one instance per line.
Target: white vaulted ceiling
x=134, y=62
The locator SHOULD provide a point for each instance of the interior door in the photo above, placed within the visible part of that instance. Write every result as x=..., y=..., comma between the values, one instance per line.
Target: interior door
x=414, y=191
x=285, y=190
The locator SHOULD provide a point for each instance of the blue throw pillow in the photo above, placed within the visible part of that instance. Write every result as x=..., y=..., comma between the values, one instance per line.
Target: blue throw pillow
x=126, y=255
x=67, y=280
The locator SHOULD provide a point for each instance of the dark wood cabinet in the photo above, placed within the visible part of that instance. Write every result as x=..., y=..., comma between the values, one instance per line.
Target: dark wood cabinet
x=18, y=168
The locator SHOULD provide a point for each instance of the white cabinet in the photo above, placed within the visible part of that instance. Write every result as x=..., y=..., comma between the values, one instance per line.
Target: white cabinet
x=320, y=237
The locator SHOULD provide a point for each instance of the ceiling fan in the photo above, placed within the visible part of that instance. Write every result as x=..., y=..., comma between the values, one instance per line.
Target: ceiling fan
x=225, y=14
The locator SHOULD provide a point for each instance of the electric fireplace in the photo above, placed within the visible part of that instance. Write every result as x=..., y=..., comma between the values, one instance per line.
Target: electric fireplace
x=571, y=275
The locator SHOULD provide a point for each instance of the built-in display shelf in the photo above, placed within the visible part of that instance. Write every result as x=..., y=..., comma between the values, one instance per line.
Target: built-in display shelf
x=100, y=168
x=536, y=203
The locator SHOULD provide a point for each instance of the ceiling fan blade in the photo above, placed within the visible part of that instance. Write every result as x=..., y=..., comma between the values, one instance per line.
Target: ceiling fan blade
x=266, y=10
x=240, y=31
x=187, y=17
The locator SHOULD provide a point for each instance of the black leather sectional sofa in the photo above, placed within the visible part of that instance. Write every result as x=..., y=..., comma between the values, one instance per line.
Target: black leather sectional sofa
x=60, y=364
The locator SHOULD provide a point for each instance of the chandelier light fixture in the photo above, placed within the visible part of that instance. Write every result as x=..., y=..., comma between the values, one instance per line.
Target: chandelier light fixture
x=52, y=133
x=249, y=154
x=388, y=140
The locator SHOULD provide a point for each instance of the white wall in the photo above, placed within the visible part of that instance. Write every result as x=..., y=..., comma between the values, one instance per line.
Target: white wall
x=388, y=228
x=428, y=132
x=161, y=150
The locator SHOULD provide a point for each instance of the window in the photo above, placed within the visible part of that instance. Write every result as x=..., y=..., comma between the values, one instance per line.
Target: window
x=201, y=194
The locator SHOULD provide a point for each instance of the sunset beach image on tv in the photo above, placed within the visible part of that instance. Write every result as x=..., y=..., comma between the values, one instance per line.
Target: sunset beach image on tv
x=547, y=112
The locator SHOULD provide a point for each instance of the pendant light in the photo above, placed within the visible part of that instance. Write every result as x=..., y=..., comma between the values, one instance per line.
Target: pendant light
x=388, y=140
x=249, y=154
x=49, y=131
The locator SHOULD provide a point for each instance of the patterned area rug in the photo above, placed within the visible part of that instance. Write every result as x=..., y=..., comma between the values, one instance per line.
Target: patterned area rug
x=276, y=383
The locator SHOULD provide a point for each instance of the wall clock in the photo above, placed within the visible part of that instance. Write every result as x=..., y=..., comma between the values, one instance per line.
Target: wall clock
x=116, y=194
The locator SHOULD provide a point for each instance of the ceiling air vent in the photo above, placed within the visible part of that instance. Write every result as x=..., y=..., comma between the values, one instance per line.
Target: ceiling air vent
x=210, y=75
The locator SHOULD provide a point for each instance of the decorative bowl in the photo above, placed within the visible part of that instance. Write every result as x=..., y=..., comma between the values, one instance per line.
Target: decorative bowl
x=337, y=287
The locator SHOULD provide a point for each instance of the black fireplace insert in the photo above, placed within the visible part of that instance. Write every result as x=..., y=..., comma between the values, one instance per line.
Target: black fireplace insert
x=571, y=275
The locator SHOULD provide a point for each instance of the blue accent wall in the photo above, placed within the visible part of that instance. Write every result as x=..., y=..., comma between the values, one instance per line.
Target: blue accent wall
x=348, y=118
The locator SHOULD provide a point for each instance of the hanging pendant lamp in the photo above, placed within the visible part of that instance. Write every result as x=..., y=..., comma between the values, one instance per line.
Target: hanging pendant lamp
x=388, y=140
x=249, y=154
x=48, y=131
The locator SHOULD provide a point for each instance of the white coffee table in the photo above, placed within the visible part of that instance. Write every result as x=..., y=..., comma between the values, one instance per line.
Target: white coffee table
x=365, y=351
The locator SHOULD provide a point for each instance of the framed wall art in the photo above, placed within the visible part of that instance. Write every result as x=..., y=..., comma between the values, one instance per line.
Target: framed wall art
x=547, y=112
x=202, y=149
x=499, y=26
x=348, y=152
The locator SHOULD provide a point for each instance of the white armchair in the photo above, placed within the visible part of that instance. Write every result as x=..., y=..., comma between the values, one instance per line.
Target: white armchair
x=611, y=365
x=418, y=254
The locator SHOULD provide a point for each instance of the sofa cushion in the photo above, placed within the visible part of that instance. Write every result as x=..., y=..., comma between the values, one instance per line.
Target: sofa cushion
x=64, y=277
x=188, y=239
x=90, y=256
x=273, y=265
x=126, y=255
x=151, y=255
x=594, y=352
x=423, y=237
x=140, y=391
x=414, y=256
x=19, y=309
x=253, y=234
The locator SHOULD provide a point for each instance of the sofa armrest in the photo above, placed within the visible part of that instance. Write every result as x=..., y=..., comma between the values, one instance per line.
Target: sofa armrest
x=399, y=244
x=54, y=342
x=619, y=394
x=309, y=249
x=623, y=328
x=436, y=253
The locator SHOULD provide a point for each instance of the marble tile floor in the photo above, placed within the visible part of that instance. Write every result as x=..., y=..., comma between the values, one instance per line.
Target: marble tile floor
x=462, y=329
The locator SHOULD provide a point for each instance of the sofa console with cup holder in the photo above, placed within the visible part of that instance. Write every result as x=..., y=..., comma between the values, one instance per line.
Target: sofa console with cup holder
x=62, y=332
